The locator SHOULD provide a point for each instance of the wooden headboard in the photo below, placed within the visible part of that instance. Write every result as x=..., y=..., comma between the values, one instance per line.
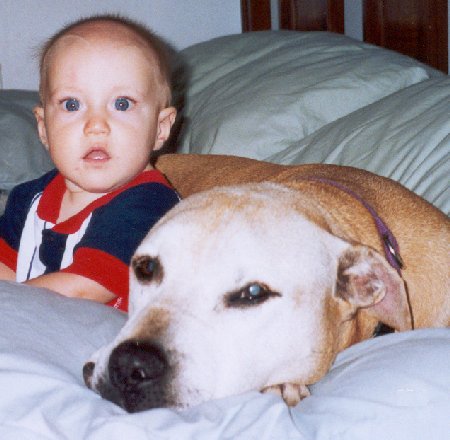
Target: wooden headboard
x=418, y=28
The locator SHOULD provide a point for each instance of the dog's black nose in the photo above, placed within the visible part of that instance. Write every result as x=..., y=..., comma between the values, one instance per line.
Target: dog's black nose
x=135, y=363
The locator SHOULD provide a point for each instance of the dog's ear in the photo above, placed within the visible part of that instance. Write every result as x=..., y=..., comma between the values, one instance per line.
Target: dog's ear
x=366, y=280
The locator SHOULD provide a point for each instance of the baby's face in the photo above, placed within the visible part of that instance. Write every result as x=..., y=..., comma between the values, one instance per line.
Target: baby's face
x=102, y=114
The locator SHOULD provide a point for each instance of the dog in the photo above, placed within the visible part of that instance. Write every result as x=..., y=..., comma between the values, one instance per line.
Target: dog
x=263, y=274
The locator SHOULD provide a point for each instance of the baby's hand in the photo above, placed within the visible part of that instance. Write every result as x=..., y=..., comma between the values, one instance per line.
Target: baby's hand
x=73, y=285
x=6, y=273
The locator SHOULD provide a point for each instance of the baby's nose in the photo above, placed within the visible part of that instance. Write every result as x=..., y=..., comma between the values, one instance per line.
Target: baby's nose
x=96, y=124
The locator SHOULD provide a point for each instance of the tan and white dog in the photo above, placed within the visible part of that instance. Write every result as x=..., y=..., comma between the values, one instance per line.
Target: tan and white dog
x=258, y=285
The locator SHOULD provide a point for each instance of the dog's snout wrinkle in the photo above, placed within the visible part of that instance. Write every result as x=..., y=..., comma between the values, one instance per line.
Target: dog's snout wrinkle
x=88, y=371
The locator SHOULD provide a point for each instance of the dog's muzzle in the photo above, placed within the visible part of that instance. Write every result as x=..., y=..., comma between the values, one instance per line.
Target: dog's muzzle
x=138, y=376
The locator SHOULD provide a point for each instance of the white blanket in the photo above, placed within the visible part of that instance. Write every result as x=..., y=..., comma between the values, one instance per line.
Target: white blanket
x=395, y=386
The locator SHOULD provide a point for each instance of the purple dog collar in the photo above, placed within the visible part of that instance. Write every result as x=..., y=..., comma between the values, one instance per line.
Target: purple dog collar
x=390, y=245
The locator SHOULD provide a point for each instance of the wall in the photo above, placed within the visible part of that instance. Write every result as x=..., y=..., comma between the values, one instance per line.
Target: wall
x=353, y=18
x=25, y=24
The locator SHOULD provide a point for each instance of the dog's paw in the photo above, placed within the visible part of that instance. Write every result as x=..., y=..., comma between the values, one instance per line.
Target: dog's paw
x=292, y=393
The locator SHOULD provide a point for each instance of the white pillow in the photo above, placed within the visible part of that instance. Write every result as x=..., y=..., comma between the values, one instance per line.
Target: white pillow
x=3, y=199
x=22, y=156
x=252, y=92
x=405, y=136
x=395, y=386
x=392, y=387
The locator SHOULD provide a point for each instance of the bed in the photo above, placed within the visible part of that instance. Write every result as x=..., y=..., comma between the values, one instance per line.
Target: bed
x=309, y=94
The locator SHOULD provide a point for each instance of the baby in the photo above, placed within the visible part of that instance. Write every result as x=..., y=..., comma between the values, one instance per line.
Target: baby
x=105, y=106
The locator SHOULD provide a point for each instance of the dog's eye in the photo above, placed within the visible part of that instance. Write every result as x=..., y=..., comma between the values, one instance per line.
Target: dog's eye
x=147, y=268
x=250, y=295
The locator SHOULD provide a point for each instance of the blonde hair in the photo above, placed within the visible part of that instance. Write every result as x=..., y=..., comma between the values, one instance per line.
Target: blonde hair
x=160, y=51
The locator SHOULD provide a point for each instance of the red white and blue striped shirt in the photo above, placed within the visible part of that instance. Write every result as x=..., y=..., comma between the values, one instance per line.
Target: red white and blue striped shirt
x=97, y=242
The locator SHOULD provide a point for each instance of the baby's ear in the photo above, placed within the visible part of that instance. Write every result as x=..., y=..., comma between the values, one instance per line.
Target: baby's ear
x=166, y=119
x=39, y=114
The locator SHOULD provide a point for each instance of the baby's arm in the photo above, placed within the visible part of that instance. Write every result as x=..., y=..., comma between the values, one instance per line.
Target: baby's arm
x=66, y=284
x=6, y=273
x=73, y=285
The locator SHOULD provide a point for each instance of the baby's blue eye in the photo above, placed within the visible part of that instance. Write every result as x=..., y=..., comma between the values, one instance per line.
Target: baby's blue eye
x=122, y=104
x=72, y=105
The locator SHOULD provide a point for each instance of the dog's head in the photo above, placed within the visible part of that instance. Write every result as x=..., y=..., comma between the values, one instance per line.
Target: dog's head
x=234, y=290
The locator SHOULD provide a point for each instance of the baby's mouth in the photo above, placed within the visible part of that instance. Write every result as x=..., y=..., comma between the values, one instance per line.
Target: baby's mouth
x=96, y=154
